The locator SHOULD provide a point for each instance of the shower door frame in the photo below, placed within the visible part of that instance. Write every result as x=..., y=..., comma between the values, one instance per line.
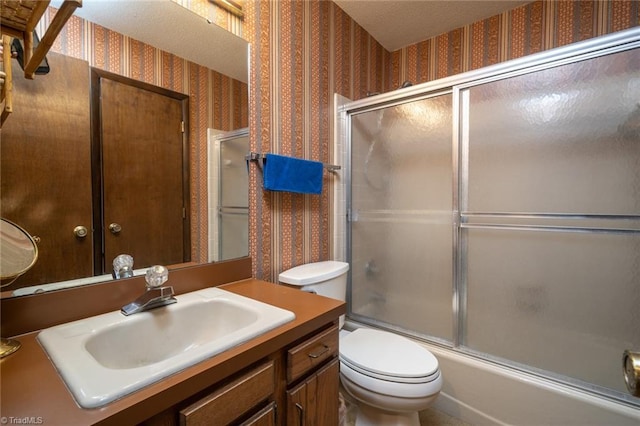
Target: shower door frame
x=214, y=203
x=457, y=85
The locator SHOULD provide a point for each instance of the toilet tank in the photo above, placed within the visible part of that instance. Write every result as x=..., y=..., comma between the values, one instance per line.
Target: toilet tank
x=328, y=278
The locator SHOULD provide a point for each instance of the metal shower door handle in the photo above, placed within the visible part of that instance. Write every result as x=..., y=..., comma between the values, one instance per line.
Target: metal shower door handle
x=631, y=370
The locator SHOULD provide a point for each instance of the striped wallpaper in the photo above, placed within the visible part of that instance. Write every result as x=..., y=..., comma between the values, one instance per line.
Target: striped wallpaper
x=528, y=29
x=305, y=51
x=216, y=101
x=301, y=53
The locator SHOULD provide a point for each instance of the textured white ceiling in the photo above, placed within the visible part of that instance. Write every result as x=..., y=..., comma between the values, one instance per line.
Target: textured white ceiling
x=400, y=23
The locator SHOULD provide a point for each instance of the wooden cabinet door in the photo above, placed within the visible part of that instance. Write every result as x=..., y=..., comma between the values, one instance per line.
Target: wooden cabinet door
x=265, y=417
x=143, y=175
x=314, y=402
x=45, y=154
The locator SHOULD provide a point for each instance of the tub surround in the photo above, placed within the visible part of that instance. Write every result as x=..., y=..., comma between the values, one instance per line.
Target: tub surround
x=32, y=388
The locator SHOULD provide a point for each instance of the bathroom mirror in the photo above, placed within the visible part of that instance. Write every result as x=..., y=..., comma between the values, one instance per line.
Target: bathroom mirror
x=170, y=27
x=19, y=252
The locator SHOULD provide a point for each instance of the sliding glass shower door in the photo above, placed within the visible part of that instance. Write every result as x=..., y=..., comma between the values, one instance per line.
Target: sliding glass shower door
x=551, y=218
x=401, y=221
x=499, y=214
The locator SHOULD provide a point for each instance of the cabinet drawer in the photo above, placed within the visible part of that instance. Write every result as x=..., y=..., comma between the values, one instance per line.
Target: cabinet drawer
x=228, y=403
x=311, y=353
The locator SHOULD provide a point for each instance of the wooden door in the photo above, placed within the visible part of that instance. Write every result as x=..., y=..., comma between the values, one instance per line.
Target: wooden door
x=144, y=173
x=315, y=402
x=45, y=155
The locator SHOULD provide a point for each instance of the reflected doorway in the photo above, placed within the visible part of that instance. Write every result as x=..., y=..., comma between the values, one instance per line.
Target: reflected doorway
x=140, y=170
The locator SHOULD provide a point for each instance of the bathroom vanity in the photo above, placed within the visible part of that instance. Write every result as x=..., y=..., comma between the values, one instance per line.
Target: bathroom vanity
x=288, y=375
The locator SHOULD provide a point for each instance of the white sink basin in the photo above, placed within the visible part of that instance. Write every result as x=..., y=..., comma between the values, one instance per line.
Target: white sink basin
x=105, y=357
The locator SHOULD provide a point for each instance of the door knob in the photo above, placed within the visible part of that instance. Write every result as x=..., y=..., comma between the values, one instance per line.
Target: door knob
x=80, y=231
x=115, y=228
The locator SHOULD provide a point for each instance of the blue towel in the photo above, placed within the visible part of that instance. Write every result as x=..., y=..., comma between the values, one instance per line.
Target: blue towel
x=292, y=174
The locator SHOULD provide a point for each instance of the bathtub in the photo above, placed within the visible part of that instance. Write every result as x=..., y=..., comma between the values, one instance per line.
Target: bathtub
x=480, y=393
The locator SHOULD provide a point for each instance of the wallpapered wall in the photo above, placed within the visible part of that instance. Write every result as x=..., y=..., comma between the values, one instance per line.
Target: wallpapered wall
x=532, y=28
x=215, y=100
x=303, y=52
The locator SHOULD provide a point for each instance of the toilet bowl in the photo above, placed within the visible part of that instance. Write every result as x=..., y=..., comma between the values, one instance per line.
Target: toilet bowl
x=390, y=377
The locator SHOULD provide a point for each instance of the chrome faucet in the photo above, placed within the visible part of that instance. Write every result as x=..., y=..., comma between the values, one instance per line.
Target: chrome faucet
x=156, y=294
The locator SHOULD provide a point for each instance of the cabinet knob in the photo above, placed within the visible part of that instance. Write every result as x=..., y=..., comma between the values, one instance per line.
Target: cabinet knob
x=115, y=228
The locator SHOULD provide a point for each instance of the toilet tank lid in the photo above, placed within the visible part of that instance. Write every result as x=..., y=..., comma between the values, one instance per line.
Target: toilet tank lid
x=312, y=273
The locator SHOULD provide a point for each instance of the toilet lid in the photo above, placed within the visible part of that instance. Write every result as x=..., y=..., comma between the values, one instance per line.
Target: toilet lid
x=387, y=354
x=313, y=273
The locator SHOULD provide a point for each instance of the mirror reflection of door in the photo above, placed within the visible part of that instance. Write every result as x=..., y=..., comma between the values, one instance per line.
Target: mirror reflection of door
x=45, y=159
x=52, y=179
x=144, y=170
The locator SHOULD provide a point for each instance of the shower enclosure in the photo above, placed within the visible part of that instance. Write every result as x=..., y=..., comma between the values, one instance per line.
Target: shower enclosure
x=228, y=195
x=497, y=213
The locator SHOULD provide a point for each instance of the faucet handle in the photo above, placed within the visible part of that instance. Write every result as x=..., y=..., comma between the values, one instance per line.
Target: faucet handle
x=122, y=266
x=156, y=276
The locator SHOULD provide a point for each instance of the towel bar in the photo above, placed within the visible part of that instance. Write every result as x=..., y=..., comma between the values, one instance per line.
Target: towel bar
x=257, y=156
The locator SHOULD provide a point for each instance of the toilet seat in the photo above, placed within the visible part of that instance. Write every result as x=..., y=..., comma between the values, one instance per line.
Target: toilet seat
x=387, y=378
x=387, y=356
x=412, y=393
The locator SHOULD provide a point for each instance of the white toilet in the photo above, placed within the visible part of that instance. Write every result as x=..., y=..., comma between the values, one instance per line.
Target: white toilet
x=390, y=376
